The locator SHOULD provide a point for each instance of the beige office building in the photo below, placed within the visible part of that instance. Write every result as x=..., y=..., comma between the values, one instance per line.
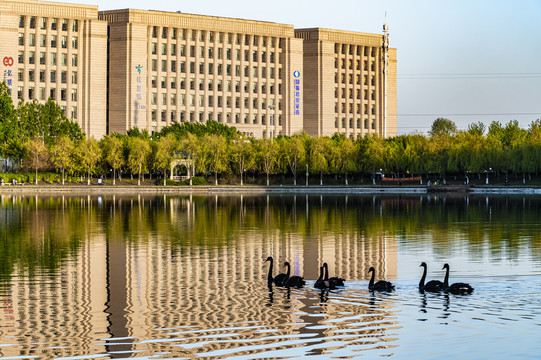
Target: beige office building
x=171, y=67
x=344, y=89
x=115, y=70
x=59, y=51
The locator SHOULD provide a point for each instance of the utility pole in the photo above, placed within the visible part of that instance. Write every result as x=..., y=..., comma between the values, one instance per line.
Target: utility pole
x=385, y=70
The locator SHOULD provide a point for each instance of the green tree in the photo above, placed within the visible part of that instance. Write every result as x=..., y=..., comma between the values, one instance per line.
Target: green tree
x=113, y=154
x=215, y=150
x=343, y=155
x=61, y=154
x=319, y=159
x=88, y=154
x=442, y=126
x=293, y=151
x=37, y=155
x=138, y=151
x=241, y=150
x=266, y=155
x=11, y=144
x=165, y=148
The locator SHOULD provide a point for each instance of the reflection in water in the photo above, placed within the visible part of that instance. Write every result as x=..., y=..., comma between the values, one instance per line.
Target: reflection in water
x=184, y=275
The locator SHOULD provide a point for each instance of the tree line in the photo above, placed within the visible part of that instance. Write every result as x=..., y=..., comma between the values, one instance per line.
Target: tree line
x=38, y=138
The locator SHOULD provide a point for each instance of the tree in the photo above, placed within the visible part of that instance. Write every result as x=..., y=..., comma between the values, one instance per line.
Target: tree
x=266, y=154
x=61, y=153
x=293, y=151
x=343, y=155
x=138, y=151
x=442, y=126
x=215, y=149
x=241, y=148
x=319, y=148
x=37, y=154
x=11, y=144
x=88, y=153
x=112, y=150
x=165, y=148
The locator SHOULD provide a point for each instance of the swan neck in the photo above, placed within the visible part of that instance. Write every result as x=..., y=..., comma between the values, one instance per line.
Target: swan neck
x=269, y=278
x=446, y=279
x=326, y=273
x=371, y=283
x=422, y=282
x=288, y=270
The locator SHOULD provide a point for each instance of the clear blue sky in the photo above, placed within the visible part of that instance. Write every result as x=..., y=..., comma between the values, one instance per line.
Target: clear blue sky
x=466, y=60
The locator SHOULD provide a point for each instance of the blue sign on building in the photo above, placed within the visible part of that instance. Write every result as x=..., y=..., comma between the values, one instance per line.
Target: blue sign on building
x=296, y=93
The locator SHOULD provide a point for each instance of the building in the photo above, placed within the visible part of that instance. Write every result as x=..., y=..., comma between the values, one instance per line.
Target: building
x=344, y=90
x=116, y=70
x=172, y=67
x=59, y=51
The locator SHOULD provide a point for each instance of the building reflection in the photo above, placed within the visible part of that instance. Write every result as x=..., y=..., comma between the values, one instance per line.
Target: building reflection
x=146, y=263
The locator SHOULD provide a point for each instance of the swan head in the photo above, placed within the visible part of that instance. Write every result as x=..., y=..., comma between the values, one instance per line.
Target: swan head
x=269, y=258
x=446, y=266
x=423, y=264
x=286, y=264
x=371, y=269
x=325, y=265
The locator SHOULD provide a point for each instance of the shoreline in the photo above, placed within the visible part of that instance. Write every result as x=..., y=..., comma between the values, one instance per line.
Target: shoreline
x=251, y=189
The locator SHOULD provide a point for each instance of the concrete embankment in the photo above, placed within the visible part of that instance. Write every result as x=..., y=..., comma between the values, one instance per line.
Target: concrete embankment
x=248, y=189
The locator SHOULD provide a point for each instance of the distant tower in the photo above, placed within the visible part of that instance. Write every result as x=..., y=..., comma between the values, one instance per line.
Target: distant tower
x=385, y=68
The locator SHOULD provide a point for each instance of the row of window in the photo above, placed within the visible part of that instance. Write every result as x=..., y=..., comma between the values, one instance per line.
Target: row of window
x=183, y=85
x=349, y=108
x=61, y=76
x=43, y=22
x=359, y=50
x=63, y=93
x=228, y=103
x=366, y=79
x=357, y=63
x=211, y=36
x=344, y=92
x=53, y=40
x=372, y=124
x=229, y=118
x=214, y=69
x=61, y=60
x=211, y=53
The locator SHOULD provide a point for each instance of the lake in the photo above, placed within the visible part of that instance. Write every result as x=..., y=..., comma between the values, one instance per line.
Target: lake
x=184, y=277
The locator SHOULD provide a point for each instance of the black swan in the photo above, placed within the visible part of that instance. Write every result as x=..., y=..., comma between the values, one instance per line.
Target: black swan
x=381, y=285
x=293, y=281
x=456, y=288
x=432, y=285
x=320, y=284
x=334, y=281
x=278, y=280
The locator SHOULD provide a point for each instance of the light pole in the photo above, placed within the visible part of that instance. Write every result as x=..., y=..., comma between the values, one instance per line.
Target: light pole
x=306, y=174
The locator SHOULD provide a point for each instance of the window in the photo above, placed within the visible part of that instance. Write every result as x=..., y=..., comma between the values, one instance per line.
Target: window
x=32, y=40
x=164, y=33
x=164, y=49
x=74, y=60
x=22, y=20
x=53, y=41
x=42, y=93
x=42, y=76
x=20, y=75
x=52, y=94
x=63, y=77
x=53, y=23
x=173, y=49
x=53, y=58
x=153, y=82
x=154, y=48
x=21, y=39
x=65, y=25
x=75, y=26
x=42, y=58
x=74, y=77
x=74, y=95
x=63, y=59
x=31, y=57
x=163, y=81
x=74, y=112
x=173, y=83
x=74, y=42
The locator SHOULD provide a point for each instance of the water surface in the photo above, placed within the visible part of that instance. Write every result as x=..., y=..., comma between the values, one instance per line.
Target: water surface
x=184, y=276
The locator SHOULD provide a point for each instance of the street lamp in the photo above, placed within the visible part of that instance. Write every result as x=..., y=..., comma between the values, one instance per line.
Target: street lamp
x=306, y=174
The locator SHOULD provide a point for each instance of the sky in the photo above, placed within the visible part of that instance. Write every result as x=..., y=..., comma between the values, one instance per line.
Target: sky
x=464, y=60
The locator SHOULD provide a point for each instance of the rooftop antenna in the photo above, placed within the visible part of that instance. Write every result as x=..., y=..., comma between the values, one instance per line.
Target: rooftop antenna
x=385, y=48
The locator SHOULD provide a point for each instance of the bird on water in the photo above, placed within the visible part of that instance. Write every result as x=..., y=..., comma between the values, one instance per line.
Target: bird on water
x=381, y=285
x=456, y=288
x=432, y=285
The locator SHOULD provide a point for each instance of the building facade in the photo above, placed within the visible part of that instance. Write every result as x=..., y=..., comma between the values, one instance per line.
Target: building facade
x=172, y=67
x=58, y=51
x=115, y=70
x=344, y=90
